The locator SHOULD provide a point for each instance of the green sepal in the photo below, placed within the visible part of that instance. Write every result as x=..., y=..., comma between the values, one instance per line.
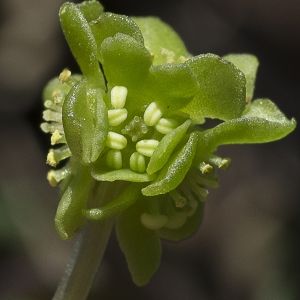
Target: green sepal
x=166, y=146
x=222, y=92
x=91, y=10
x=248, y=64
x=172, y=174
x=140, y=245
x=187, y=230
x=262, y=123
x=76, y=28
x=128, y=197
x=125, y=61
x=69, y=216
x=85, y=121
x=159, y=36
x=109, y=24
x=122, y=174
x=174, y=86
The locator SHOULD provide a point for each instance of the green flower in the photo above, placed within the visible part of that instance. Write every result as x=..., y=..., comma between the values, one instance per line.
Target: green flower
x=133, y=118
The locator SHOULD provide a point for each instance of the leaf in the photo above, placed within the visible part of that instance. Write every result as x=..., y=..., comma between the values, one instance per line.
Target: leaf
x=109, y=24
x=222, y=92
x=161, y=40
x=166, y=146
x=248, y=64
x=263, y=123
x=81, y=41
x=69, y=217
x=140, y=245
x=175, y=170
x=85, y=122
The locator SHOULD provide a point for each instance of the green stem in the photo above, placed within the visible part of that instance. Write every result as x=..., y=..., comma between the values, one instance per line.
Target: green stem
x=88, y=252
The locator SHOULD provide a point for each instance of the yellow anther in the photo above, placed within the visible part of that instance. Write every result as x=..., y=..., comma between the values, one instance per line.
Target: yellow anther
x=146, y=147
x=137, y=162
x=164, y=126
x=114, y=159
x=57, y=138
x=116, y=141
x=154, y=222
x=118, y=96
x=152, y=114
x=117, y=116
x=64, y=76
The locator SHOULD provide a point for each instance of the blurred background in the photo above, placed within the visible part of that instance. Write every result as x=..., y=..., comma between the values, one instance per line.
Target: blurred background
x=249, y=243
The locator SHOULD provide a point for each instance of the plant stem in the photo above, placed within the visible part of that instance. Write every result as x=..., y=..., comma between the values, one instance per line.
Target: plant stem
x=88, y=251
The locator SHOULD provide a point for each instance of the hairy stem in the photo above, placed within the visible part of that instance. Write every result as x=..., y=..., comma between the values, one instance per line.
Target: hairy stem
x=88, y=251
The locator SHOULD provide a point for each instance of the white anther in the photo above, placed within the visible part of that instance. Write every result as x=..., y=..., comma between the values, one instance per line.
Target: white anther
x=116, y=141
x=164, y=126
x=154, y=222
x=146, y=147
x=50, y=115
x=118, y=96
x=152, y=114
x=137, y=162
x=114, y=159
x=51, y=105
x=51, y=127
x=117, y=116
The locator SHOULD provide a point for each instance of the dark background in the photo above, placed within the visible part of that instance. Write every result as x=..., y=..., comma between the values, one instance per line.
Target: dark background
x=249, y=243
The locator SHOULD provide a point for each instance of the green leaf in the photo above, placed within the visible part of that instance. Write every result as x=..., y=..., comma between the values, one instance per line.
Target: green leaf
x=175, y=170
x=81, y=41
x=91, y=10
x=264, y=122
x=125, y=61
x=126, y=199
x=187, y=230
x=109, y=24
x=222, y=92
x=140, y=245
x=161, y=40
x=122, y=174
x=166, y=146
x=69, y=216
x=85, y=121
x=248, y=64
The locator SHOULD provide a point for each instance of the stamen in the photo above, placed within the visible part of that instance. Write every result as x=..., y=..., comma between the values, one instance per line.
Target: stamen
x=65, y=77
x=164, y=126
x=146, y=147
x=118, y=96
x=205, y=168
x=116, y=141
x=209, y=180
x=51, y=127
x=137, y=162
x=56, y=155
x=202, y=192
x=55, y=176
x=152, y=114
x=221, y=163
x=114, y=159
x=51, y=105
x=50, y=115
x=179, y=200
x=117, y=116
x=58, y=97
x=154, y=222
x=57, y=138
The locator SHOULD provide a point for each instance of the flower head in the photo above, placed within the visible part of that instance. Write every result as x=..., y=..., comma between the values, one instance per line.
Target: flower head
x=133, y=118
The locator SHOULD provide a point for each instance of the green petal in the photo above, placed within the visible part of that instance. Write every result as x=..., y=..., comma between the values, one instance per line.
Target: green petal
x=125, y=61
x=140, y=245
x=126, y=199
x=69, y=217
x=109, y=24
x=122, y=174
x=161, y=40
x=81, y=41
x=91, y=10
x=188, y=229
x=166, y=146
x=222, y=92
x=175, y=170
x=85, y=122
x=248, y=64
x=173, y=86
x=264, y=122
